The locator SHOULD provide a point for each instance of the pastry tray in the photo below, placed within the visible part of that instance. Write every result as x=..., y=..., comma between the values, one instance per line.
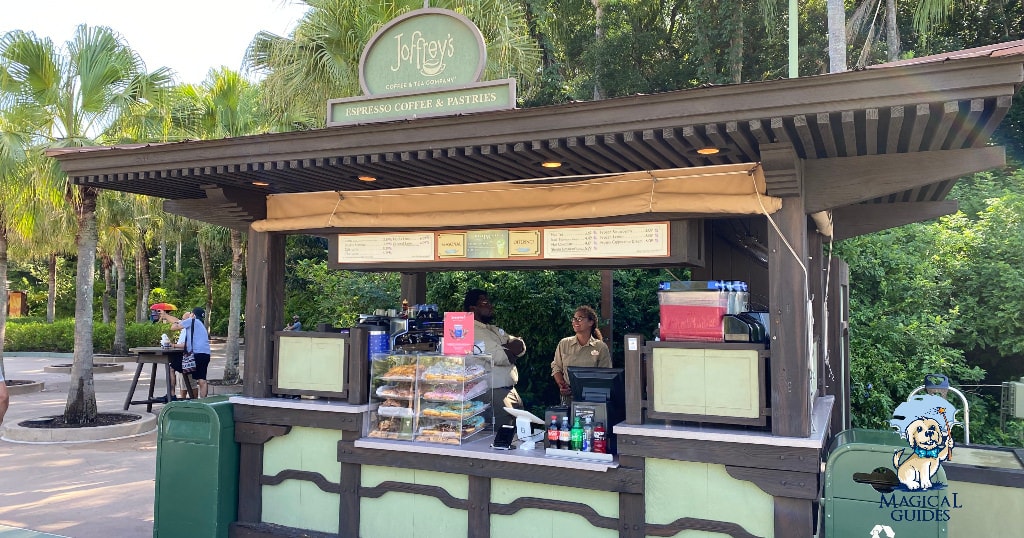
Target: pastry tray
x=476, y=390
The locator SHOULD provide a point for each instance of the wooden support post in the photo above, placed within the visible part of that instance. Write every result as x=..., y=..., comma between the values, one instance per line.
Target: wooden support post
x=838, y=344
x=414, y=288
x=479, y=512
x=358, y=366
x=788, y=273
x=791, y=383
x=794, y=517
x=816, y=289
x=607, y=302
x=633, y=345
x=250, y=438
x=632, y=508
x=264, y=309
x=348, y=513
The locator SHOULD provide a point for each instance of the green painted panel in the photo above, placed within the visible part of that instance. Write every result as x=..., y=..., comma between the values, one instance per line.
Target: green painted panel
x=457, y=485
x=546, y=523
x=407, y=514
x=731, y=379
x=536, y=523
x=304, y=449
x=604, y=503
x=372, y=475
x=695, y=534
x=311, y=364
x=678, y=489
x=300, y=504
x=297, y=503
x=679, y=381
x=987, y=510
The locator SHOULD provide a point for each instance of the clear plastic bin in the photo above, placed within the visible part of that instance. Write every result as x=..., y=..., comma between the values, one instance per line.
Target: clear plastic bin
x=429, y=397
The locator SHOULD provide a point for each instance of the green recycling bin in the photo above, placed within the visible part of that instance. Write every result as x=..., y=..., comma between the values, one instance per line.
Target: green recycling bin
x=196, y=469
x=864, y=498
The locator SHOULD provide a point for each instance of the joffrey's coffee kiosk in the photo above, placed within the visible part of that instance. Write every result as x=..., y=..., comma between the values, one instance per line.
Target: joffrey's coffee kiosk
x=434, y=170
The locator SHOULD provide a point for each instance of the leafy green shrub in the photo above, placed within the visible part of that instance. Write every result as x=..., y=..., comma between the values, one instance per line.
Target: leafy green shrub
x=59, y=337
x=146, y=334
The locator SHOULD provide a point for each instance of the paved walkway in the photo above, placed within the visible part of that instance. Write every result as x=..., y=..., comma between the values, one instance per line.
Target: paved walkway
x=99, y=489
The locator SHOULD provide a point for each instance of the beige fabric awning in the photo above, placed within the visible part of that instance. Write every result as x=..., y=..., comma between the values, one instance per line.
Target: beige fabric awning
x=706, y=191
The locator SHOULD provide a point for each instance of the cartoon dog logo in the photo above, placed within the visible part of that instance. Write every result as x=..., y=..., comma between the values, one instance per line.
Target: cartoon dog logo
x=924, y=421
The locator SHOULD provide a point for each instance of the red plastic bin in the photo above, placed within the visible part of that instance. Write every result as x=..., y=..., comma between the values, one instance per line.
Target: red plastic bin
x=692, y=316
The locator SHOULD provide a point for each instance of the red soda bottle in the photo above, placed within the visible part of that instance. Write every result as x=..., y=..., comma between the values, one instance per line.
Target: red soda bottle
x=600, y=442
x=553, y=433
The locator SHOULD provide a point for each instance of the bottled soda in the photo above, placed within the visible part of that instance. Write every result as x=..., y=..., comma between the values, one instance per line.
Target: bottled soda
x=576, y=434
x=564, y=435
x=588, y=435
x=553, y=433
x=600, y=440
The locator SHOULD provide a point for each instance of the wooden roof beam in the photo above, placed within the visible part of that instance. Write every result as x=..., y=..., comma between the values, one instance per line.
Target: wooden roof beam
x=843, y=181
x=860, y=219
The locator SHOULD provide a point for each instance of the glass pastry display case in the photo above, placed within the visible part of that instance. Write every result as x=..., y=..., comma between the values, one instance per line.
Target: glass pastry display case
x=429, y=397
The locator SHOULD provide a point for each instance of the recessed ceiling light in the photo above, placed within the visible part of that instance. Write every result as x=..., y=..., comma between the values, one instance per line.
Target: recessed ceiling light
x=551, y=164
x=261, y=183
x=708, y=151
x=367, y=178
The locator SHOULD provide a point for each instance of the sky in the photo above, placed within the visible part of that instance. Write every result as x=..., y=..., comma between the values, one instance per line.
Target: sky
x=188, y=36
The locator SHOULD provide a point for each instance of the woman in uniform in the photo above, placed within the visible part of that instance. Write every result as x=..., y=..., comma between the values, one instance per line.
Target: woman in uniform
x=584, y=348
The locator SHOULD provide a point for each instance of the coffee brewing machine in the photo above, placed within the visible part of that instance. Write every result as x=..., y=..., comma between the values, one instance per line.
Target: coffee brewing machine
x=417, y=328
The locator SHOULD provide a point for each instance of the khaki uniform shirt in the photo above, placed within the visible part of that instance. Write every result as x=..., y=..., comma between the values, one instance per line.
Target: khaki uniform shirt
x=570, y=353
x=489, y=339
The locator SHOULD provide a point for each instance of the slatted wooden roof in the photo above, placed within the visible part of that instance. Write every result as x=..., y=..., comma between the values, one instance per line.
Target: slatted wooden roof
x=935, y=104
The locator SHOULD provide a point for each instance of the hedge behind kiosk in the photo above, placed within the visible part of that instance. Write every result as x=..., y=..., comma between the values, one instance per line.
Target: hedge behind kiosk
x=602, y=393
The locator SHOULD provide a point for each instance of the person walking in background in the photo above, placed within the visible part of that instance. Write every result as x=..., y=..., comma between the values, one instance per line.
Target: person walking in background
x=584, y=348
x=504, y=350
x=196, y=340
x=5, y=398
x=296, y=325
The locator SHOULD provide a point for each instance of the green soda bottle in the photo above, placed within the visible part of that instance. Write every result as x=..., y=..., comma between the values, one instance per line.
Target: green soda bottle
x=576, y=434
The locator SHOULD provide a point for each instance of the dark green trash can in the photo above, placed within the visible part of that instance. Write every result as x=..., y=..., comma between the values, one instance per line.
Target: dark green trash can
x=196, y=469
x=863, y=497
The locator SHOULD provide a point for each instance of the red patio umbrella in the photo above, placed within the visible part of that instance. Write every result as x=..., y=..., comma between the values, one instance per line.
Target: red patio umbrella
x=163, y=306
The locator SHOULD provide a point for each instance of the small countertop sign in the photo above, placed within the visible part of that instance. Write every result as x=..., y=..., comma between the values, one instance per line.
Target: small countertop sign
x=458, y=333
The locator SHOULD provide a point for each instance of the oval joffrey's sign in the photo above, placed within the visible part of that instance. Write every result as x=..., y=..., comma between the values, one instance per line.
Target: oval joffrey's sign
x=423, y=50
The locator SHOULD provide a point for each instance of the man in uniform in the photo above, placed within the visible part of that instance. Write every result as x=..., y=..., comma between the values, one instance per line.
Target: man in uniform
x=504, y=349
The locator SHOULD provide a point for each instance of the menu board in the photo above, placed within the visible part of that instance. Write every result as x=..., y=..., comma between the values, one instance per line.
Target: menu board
x=407, y=247
x=487, y=244
x=613, y=241
x=639, y=240
x=524, y=243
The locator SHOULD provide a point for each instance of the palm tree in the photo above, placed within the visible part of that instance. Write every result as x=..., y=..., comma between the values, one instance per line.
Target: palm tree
x=148, y=217
x=872, y=19
x=224, y=105
x=14, y=140
x=320, y=59
x=95, y=82
x=116, y=214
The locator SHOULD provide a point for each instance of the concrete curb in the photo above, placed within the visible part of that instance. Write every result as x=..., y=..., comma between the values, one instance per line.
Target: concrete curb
x=26, y=388
x=20, y=434
x=53, y=354
x=97, y=368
